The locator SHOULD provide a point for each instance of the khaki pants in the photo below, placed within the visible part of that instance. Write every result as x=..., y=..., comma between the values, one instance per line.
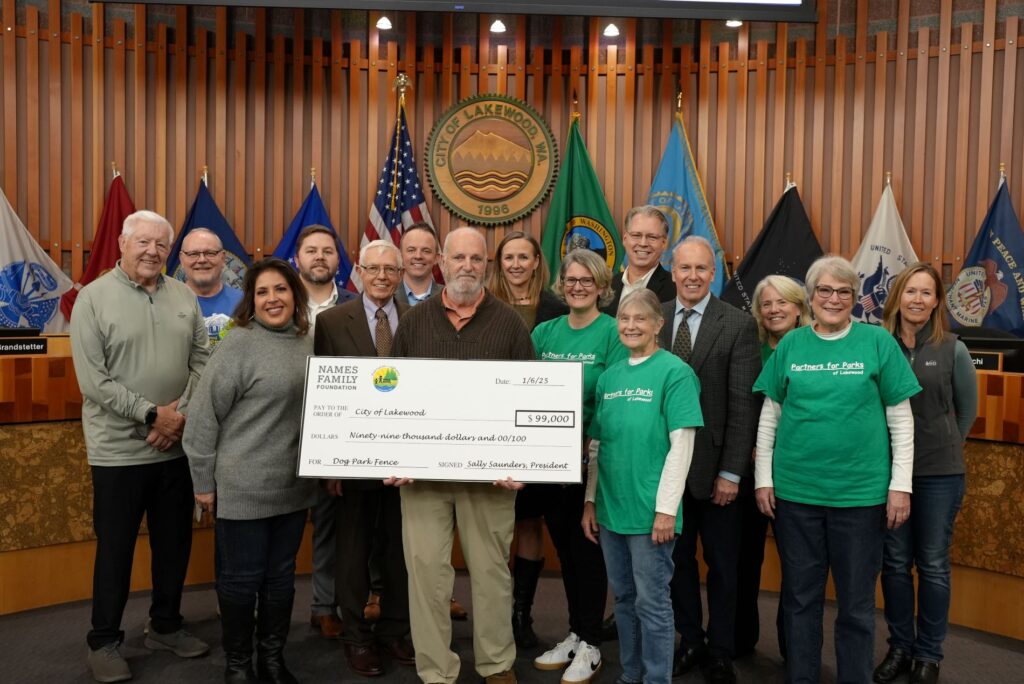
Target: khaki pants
x=486, y=517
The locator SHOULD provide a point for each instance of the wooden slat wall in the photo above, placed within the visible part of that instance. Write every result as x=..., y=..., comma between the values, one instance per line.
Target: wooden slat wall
x=835, y=111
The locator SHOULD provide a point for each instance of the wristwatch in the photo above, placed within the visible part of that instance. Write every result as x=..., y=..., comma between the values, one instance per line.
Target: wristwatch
x=151, y=417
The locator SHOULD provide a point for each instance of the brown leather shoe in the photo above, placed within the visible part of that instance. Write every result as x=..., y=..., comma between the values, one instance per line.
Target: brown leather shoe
x=363, y=660
x=328, y=625
x=371, y=611
x=401, y=650
x=458, y=612
x=506, y=677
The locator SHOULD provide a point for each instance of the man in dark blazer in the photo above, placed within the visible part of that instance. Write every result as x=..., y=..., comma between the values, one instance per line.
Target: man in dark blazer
x=420, y=251
x=366, y=509
x=644, y=240
x=720, y=344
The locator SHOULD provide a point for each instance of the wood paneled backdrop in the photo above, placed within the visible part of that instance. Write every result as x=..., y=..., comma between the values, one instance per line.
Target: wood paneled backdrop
x=939, y=100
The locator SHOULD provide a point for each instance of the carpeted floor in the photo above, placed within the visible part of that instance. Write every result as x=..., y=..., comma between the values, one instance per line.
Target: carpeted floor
x=48, y=645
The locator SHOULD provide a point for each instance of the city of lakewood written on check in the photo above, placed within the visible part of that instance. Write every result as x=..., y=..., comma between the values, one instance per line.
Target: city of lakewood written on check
x=372, y=418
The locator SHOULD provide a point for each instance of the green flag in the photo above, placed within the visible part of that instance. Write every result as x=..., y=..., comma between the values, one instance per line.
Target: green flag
x=579, y=216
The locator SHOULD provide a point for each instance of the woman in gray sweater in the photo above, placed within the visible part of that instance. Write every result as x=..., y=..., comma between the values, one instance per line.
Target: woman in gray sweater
x=242, y=440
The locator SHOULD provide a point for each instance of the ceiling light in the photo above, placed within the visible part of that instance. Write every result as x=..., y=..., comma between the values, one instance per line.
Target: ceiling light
x=384, y=24
x=733, y=23
x=611, y=31
x=498, y=26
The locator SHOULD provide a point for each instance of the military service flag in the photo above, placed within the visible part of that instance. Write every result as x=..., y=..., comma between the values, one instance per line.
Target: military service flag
x=884, y=252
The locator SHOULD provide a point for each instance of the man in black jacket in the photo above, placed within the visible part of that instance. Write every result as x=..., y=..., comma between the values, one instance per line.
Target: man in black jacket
x=644, y=241
x=720, y=343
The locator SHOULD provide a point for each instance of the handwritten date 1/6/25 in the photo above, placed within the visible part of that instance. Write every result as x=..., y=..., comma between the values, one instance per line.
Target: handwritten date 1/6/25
x=529, y=380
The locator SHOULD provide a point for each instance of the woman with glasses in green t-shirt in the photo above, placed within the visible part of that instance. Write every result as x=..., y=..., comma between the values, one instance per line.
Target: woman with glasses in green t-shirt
x=835, y=452
x=646, y=414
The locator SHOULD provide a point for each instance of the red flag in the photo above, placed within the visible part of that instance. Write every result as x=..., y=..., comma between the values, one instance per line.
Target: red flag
x=105, y=251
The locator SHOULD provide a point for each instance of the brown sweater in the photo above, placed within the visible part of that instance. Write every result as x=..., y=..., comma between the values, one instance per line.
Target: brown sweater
x=495, y=332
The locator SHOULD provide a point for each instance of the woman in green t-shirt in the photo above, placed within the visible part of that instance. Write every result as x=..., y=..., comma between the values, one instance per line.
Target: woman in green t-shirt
x=836, y=406
x=589, y=337
x=646, y=413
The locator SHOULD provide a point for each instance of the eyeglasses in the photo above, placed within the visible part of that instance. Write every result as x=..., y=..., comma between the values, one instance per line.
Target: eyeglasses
x=645, y=237
x=389, y=271
x=208, y=253
x=585, y=283
x=826, y=292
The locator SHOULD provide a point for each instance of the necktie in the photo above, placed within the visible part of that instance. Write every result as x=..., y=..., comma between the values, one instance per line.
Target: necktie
x=383, y=337
x=682, y=346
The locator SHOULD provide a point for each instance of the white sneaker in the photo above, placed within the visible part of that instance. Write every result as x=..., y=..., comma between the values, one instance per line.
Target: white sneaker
x=559, y=656
x=585, y=665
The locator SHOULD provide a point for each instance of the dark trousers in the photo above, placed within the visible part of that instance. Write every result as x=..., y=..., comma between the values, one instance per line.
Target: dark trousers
x=368, y=518
x=583, y=570
x=257, y=557
x=719, y=530
x=812, y=540
x=121, y=495
x=753, y=531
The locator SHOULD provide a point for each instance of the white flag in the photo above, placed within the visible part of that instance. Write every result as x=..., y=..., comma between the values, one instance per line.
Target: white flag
x=885, y=251
x=30, y=283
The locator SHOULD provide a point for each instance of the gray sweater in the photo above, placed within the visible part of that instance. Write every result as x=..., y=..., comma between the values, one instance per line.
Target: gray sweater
x=242, y=433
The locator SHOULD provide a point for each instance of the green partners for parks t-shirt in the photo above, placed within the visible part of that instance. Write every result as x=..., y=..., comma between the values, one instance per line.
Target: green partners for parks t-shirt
x=832, y=443
x=636, y=409
x=596, y=346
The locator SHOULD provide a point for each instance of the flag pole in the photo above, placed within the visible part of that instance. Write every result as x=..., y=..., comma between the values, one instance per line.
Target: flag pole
x=401, y=85
x=205, y=175
x=888, y=179
x=789, y=182
x=113, y=170
x=1002, y=174
x=312, y=177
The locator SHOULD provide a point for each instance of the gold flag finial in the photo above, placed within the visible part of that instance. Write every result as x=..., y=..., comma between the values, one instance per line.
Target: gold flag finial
x=204, y=175
x=1002, y=169
x=402, y=83
x=888, y=178
x=113, y=169
x=312, y=174
x=679, y=101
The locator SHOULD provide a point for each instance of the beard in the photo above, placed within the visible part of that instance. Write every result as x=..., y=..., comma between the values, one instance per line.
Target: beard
x=320, y=277
x=464, y=288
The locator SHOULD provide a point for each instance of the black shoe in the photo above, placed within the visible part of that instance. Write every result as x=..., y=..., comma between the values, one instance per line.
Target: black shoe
x=688, y=658
x=237, y=623
x=525, y=574
x=896, y=662
x=609, y=630
x=719, y=671
x=273, y=619
x=924, y=673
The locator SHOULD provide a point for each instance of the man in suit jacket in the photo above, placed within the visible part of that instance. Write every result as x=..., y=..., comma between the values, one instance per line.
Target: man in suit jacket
x=644, y=241
x=420, y=250
x=367, y=510
x=720, y=344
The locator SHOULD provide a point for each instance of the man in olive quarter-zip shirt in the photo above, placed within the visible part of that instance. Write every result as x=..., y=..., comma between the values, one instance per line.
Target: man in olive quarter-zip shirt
x=139, y=343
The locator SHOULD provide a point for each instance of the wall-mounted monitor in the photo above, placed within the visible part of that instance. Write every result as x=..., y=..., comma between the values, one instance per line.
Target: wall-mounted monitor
x=761, y=10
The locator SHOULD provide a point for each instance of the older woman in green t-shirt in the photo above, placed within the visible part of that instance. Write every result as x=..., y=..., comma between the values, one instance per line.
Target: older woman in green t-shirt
x=835, y=452
x=646, y=413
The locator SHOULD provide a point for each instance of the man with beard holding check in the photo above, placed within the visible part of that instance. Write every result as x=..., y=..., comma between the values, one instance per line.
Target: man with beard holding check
x=463, y=322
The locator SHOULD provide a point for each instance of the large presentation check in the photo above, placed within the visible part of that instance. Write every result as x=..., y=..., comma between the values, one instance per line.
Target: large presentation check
x=429, y=419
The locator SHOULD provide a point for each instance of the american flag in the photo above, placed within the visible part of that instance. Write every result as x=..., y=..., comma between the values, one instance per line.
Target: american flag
x=399, y=201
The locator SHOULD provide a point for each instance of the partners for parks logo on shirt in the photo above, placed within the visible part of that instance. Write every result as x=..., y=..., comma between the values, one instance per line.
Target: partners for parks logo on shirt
x=586, y=358
x=833, y=367
x=631, y=394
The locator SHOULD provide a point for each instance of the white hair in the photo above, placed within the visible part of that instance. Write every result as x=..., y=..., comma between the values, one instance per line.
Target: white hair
x=132, y=221
x=385, y=245
x=460, y=231
x=695, y=240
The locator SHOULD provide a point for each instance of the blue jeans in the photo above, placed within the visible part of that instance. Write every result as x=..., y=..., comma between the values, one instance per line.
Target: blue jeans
x=639, y=572
x=812, y=540
x=924, y=541
x=258, y=557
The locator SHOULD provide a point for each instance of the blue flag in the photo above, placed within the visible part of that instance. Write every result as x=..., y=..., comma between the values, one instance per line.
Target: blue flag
x=987, y=293
x=313, y=212
x=678, y=192
x=205, y=214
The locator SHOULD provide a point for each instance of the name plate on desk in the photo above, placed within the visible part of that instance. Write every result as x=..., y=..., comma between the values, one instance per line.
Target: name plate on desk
x=16, y=346
x=987, y=360
x=430, y=419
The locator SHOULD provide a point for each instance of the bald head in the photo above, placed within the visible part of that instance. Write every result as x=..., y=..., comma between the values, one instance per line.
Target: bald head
x=464, y=262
